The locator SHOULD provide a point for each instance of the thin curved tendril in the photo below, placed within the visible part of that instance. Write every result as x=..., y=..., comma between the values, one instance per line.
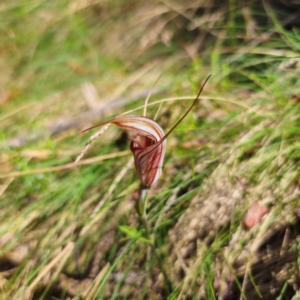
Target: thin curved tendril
x=168, y=133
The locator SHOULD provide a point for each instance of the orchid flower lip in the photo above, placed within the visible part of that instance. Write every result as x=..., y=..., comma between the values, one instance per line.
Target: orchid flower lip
x=134, y=141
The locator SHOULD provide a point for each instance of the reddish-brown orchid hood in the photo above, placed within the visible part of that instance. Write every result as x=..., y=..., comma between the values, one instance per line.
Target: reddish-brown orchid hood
x=149, y=144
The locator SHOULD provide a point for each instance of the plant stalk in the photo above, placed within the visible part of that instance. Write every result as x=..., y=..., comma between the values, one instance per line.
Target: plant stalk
x=141, y=210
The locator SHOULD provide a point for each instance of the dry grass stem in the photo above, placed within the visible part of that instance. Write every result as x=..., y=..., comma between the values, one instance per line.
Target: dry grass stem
x=60, y=258
x=90, y=293
x=87, y=161
x=238, y=103
x=89, y=142
x=114, y=184
x=148, y=96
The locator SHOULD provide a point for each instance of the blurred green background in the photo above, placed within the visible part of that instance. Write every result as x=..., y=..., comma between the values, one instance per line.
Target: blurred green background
x=67, y=65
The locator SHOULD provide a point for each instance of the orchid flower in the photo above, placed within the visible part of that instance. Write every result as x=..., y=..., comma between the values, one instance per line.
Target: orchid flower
x=149, y=143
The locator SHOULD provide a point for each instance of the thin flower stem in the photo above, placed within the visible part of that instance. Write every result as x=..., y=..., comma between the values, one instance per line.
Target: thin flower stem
x=141, y=210
x=152, y=244
x=142, y=200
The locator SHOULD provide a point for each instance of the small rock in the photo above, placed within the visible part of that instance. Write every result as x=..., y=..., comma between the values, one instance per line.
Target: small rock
x=254, y=215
